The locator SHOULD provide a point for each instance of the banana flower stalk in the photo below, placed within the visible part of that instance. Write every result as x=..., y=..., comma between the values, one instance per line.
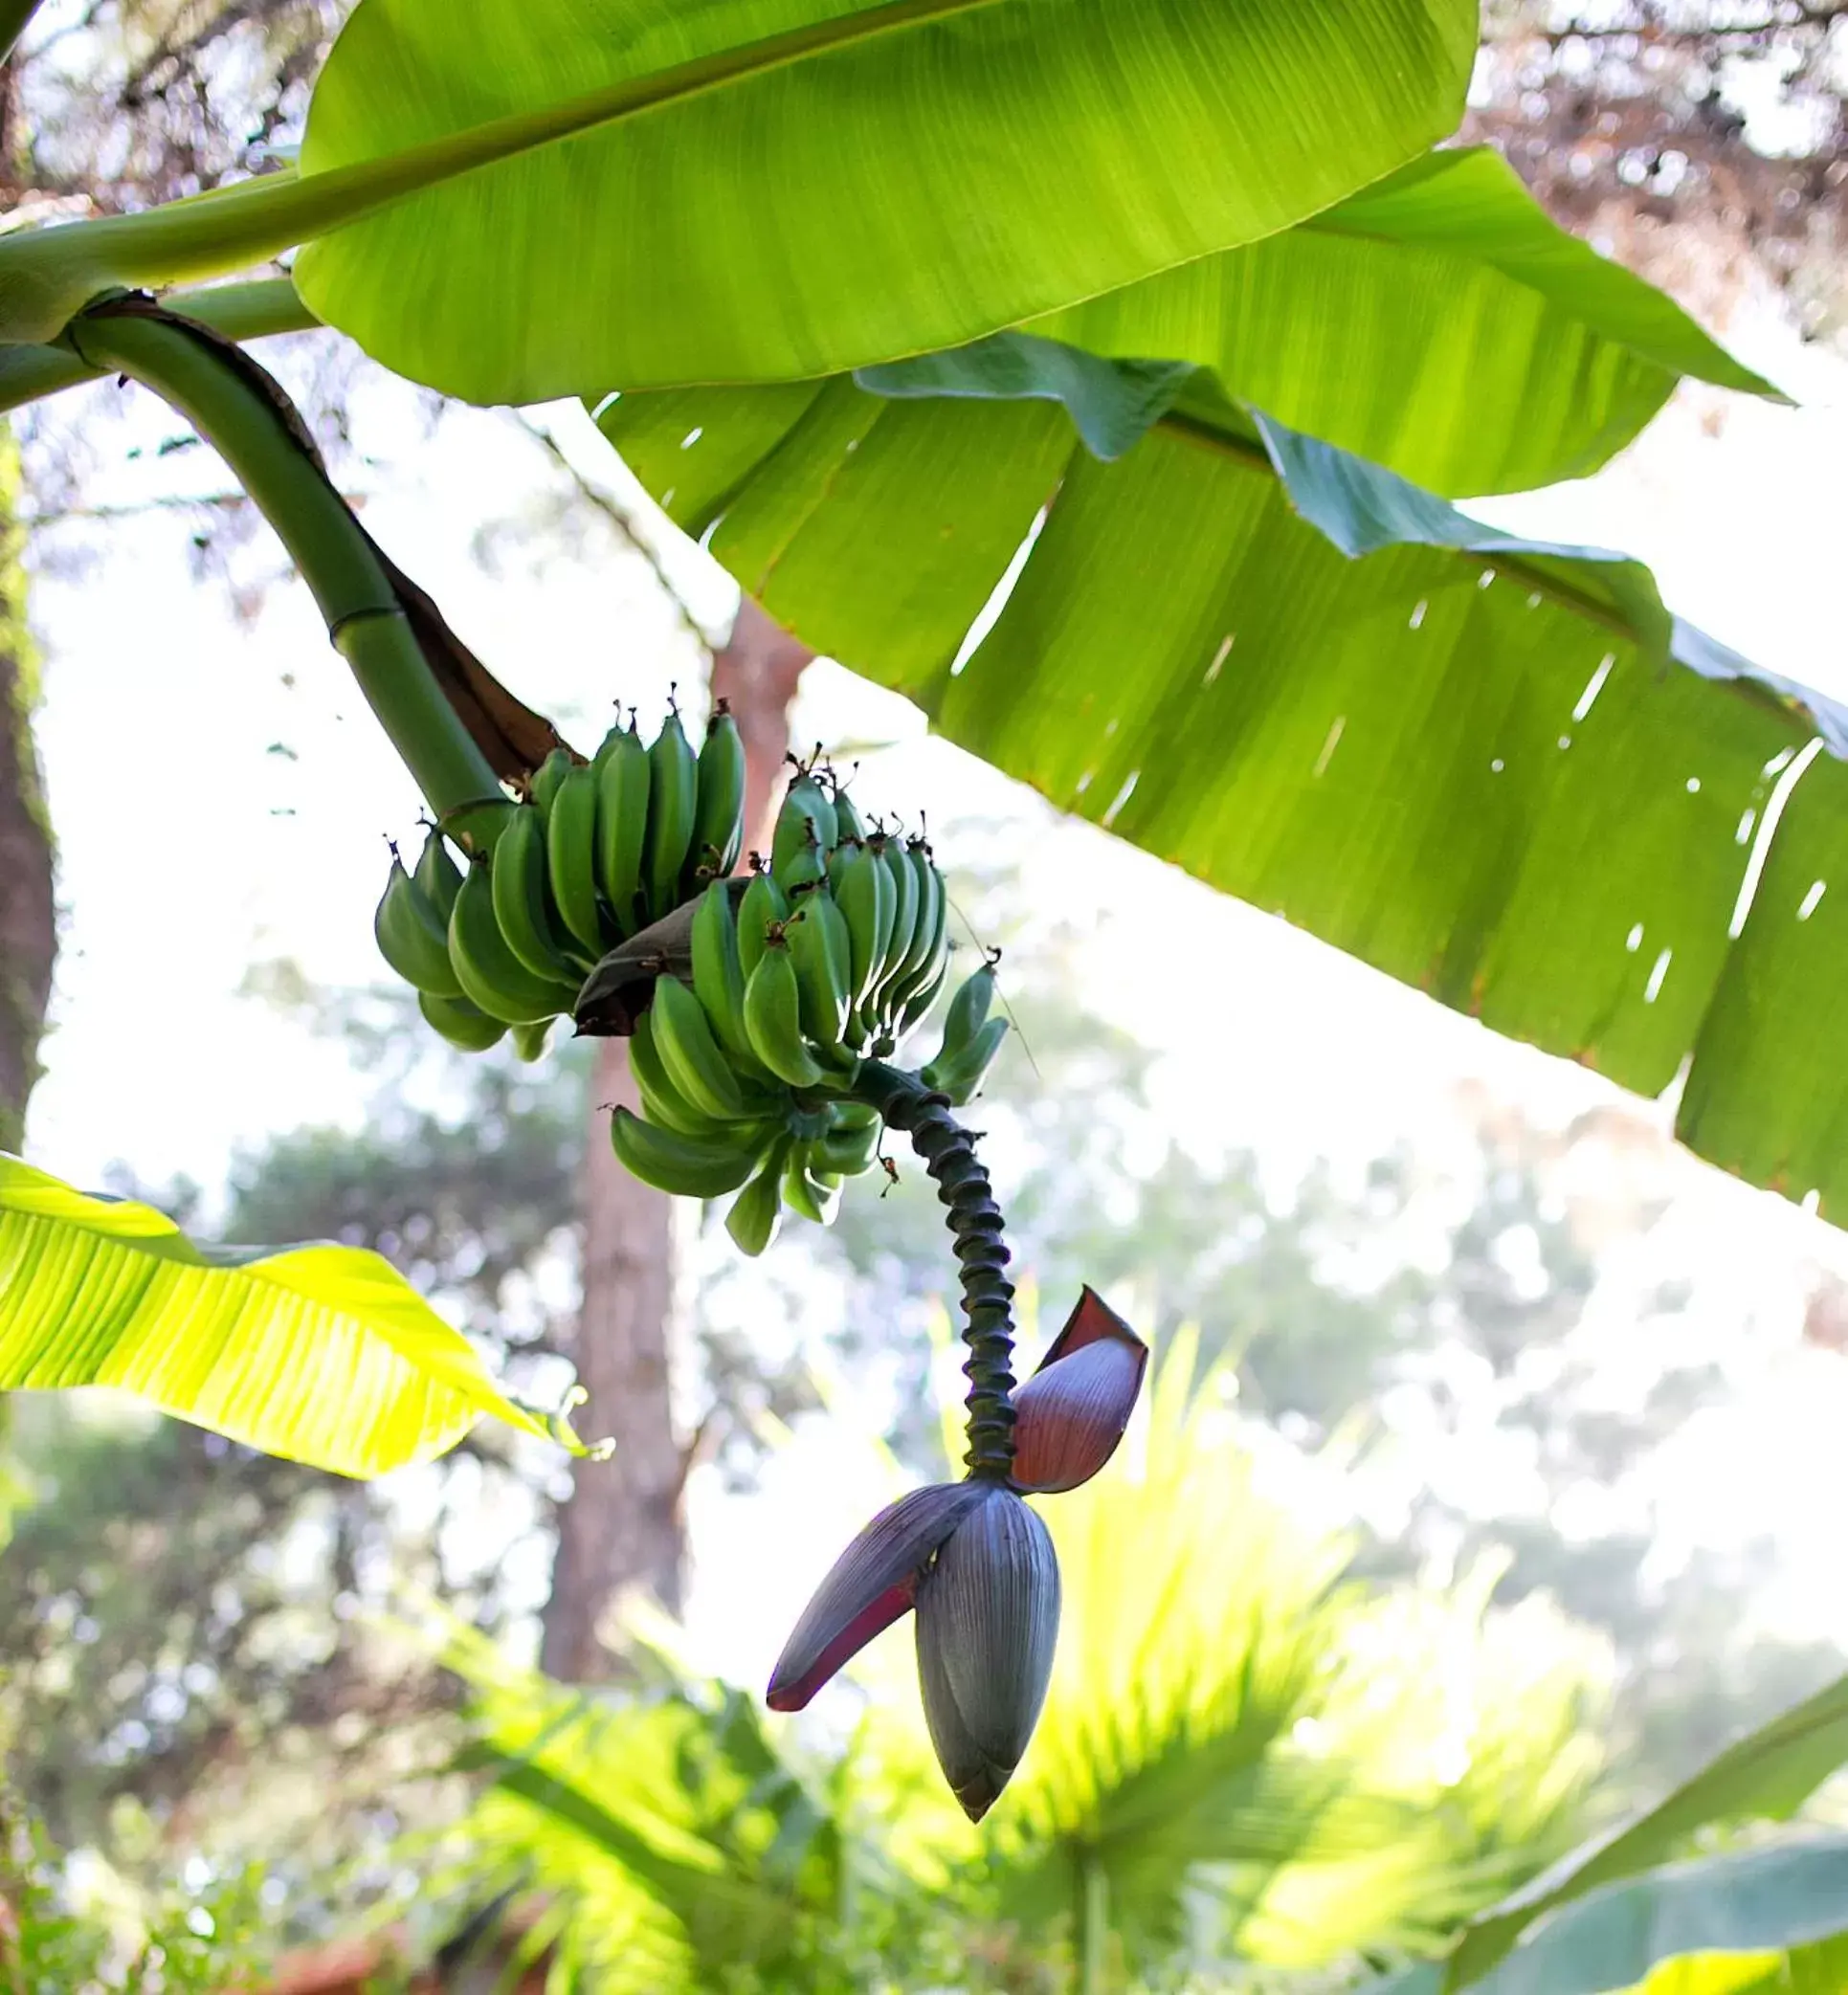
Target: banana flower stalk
x=977, y=1566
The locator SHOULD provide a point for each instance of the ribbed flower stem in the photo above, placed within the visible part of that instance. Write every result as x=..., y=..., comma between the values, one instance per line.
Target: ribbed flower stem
x=974, y=1221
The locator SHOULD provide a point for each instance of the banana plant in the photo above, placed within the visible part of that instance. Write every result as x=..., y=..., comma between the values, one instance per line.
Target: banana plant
x=981, y=229
x=509, y=213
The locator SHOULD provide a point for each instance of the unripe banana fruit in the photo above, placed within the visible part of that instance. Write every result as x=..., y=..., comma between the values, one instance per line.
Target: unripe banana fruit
x=411, y=936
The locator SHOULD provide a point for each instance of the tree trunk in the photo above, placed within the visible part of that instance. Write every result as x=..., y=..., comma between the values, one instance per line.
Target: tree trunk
x=27, y=926
x=622, y=1528
x=757, y=674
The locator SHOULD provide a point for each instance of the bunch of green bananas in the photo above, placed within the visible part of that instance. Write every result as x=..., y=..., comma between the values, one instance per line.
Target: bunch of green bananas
x=830, y=953
x=601, y=851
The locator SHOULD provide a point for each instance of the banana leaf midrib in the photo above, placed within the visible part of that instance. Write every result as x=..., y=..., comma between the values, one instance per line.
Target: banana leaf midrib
x=633, y=96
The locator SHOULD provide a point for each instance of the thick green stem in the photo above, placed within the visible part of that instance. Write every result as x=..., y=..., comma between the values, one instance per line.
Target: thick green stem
x=976, y=1223
x=254, y=311
x=340, y=565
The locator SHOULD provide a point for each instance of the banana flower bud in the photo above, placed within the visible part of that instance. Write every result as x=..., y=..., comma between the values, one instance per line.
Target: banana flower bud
x=1070, y=1415
x=988, y=1623
x=978, y=1566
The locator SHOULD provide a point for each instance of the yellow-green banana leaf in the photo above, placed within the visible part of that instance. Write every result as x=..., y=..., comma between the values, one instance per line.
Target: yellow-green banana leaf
x=325, y=1354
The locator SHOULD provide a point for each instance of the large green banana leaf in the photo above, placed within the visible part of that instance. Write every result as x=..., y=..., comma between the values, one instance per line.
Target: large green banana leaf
x=324, y=1354
x=772, y=189
x=1753, y=1901
x=1437, y=322
x=1499, y=770
x=1766, y=1776
x=1764, y=1921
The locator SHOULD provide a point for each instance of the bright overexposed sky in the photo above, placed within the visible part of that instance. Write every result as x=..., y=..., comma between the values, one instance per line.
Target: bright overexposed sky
x=221, y=798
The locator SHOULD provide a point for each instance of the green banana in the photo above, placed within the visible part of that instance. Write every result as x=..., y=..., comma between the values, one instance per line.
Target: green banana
x=410, y=935
x=968, y=1009
x=464, y=1024
x=438, y=875
x=529, y=1041
x=804, y=1192
x=718, y=974
x=847, y=1151
x=719, y=812
x=522, y=906
x=916, y=1005
x=863, y=893
x=623, y=778
x=570, y=857
x=806, y=866
x=690, y=1054
x=683, y=1165
x=752, y=1219
x=612, y=739
x=807, y=818
x=773, y=1016
x=905, y=920
x=543, y=787
x=926, y=933
x=490, y=973
x=763, y=905
x=848, y=829
x=961, y=1076
x=797, y=1192
x=662, y=1103
x=672, y=797
x=851, y=1115
x=819, y=946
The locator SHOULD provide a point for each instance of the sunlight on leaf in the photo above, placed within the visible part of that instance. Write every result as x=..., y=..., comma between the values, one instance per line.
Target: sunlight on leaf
x=323, y=1354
